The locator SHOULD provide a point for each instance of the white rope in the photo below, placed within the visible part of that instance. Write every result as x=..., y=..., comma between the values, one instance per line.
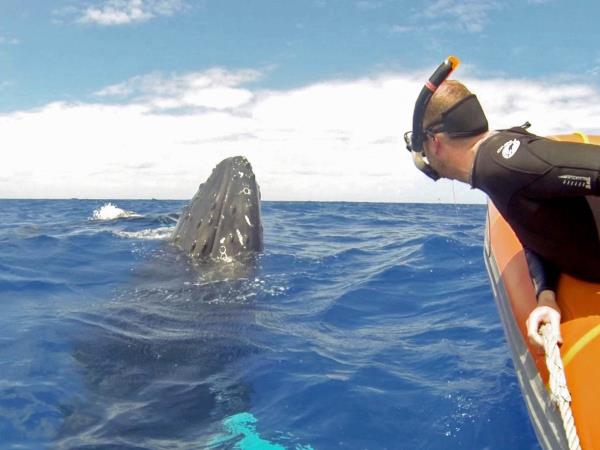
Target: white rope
x=559, y=392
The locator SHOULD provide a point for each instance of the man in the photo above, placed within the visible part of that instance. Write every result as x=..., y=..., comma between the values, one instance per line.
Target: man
x=545, y=189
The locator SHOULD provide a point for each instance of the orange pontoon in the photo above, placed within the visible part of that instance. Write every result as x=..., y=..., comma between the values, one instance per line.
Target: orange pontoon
x=580, y=306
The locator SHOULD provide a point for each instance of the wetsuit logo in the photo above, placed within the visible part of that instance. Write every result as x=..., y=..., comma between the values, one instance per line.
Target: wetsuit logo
x=508, y=149
x=576, y=181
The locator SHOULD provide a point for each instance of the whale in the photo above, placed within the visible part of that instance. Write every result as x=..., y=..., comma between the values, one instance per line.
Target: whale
x=159, y=365
x=222, y=222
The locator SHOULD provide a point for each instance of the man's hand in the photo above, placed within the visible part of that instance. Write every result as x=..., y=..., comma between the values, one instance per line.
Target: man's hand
x=547, y=312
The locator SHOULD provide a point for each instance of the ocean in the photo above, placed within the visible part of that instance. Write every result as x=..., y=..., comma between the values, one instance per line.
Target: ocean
x=361, y=326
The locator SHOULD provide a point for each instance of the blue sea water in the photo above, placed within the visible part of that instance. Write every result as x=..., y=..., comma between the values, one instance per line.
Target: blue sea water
x=362, y=326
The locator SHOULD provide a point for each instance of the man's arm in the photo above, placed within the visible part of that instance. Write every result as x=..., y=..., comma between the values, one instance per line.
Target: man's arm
x=543, y=274
x=545, y=278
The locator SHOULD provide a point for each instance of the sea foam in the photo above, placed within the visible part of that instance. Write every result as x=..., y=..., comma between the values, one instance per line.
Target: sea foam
x=108, y=211
x=161, y=233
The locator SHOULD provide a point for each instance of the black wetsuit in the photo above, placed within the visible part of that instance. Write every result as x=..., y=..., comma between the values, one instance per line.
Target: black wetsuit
x=546, y=190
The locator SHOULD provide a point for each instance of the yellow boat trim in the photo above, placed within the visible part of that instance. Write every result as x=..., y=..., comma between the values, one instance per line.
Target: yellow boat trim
x=584, y=137
x=581, y=344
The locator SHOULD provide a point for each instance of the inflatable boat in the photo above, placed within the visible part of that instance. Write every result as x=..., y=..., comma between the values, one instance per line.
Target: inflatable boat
x=580, y=328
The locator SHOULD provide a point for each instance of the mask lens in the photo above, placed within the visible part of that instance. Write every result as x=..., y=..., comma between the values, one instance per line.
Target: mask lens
x=408, y=140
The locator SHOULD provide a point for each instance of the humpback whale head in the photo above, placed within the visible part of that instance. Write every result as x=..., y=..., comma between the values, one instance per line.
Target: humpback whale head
x=222, y=221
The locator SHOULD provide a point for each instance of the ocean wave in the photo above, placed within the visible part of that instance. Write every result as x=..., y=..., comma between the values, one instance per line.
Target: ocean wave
x=158, y=234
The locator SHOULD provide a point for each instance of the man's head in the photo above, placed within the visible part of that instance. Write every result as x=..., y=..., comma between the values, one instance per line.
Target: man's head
x=443, y=110
x=445, y=97
x=453, y=122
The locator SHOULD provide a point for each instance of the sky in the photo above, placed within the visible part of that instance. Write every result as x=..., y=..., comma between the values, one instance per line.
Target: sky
x=120, y=99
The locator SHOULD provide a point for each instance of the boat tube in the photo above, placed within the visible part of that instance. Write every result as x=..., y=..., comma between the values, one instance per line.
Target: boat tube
x=579, y=302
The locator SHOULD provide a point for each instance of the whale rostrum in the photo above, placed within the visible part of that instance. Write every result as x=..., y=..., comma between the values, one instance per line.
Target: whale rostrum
x=222, y=222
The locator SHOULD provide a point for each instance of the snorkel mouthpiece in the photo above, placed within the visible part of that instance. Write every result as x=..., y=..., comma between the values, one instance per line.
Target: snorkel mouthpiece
x=414, y=142
x=421, y=164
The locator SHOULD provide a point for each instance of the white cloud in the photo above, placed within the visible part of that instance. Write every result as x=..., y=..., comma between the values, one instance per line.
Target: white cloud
x=215, y=88
x=468, y=15
x=4, y=40
x=400, y=29
x=123, y=12
x=160, y=136
x=465, y=16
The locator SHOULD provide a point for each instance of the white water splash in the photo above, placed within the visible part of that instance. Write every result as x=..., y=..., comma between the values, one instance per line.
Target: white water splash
x=109, y=211
x=161, y=233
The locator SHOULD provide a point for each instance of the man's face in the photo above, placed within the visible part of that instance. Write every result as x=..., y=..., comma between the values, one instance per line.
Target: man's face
x=432, y=158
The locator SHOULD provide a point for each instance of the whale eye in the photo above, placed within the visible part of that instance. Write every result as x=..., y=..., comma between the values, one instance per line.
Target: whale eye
x=193, y=247
x=199, y=224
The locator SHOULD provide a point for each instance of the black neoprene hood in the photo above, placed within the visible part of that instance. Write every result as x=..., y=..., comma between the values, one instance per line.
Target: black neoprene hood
x=466, y=118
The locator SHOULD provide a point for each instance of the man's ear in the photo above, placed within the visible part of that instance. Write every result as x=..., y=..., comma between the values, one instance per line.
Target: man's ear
x=434, y=144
